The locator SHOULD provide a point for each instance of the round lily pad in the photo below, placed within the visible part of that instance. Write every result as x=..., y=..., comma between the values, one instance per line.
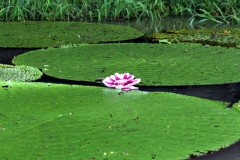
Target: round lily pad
x=50, y=121
x=56, y=34
x=155, y=64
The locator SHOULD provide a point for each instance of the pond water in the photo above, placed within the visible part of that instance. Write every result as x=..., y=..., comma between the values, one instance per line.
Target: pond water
x=170, y=23
x=227, y=92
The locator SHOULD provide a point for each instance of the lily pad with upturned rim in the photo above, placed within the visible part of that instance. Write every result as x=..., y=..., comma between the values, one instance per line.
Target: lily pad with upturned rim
x=56, y=34
x=80, y=122
x=156, y=64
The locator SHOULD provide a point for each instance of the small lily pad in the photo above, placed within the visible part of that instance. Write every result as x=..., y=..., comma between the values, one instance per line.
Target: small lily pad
x=19, y=73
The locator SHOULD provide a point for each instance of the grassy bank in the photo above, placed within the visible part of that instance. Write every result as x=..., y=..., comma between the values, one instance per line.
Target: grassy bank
x=220, y=11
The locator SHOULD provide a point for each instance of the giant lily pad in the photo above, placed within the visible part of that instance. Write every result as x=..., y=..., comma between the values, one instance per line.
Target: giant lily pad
x=18, y=73
x=55, y=34
x=155, y=64
x=77, y=122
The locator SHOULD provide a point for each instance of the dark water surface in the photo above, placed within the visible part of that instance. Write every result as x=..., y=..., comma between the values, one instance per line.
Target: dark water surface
x=171, y=23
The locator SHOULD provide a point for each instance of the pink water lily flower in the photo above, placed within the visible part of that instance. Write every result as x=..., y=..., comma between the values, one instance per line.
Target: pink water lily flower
x=124, y=81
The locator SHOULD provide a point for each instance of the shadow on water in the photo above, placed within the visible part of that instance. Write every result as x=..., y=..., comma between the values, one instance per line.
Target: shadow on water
x=225, y=92
x=229, y=153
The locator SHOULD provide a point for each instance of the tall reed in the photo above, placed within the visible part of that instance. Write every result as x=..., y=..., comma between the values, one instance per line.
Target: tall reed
x=220, y=11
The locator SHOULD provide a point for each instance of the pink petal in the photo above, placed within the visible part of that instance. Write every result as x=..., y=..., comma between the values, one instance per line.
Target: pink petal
x=133, y=87
x=125, y=89
x=136, y=81
x=108, y=82
x=126, y=76
x=117, y=76
x=132, y=82
x=131, y=76
x=122, y=81
x=113, y=77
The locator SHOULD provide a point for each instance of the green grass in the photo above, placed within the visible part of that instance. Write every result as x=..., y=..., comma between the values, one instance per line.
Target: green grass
x=220, y=11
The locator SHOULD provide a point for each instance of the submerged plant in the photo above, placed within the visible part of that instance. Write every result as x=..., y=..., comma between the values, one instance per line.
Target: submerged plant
x=124, y=81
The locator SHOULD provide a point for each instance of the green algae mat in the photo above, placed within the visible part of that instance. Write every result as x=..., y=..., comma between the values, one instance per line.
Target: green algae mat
x=221, y=37
x=54, y=121
x=19, y=73
x=156, y=64
x=56, y=34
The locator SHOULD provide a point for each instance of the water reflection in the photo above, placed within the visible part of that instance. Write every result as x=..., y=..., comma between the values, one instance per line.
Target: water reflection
x=170, y=23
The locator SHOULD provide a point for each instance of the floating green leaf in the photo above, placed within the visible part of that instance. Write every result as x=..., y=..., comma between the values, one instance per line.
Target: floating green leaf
x=155, y=64
x=18, y=73
x=48, y=121
x=56, y=34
